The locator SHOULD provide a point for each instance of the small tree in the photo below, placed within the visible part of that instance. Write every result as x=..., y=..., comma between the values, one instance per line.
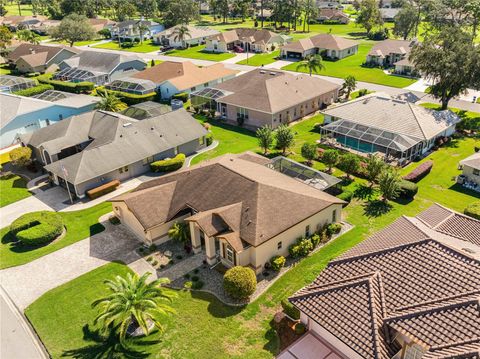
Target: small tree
x=21, y=156
x=389, y=183
x=309, y=152
x=369, y=15
x=180, y=231
x=6, y=37
x=73, y=28
x=240, y=282
x=349, y=85
x=152, y=63
x=28, y=36
x=375, y=166
x=284, y=137
x=106, y=33
x=265, y=138
x=330, y=158
x=350, y=163
x=313, y=63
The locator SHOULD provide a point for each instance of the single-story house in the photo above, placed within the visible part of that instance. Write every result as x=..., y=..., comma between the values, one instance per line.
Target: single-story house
x=405, y=67
x=45, y=26
x=20, y=115
x=253, y=40
x=471, y=168
x=235, y=206
x=97, y=147
x=387, y=52
x=197, y=35
x=100, y=24
x=378, y=123
x=329, y=46
x=411, y=290
x=388, y=14
x=329, y=4
x=29, y=58
x=99, y=68
x=267, y=97
x=330, y=14
x=135, y=29
x=17, y=22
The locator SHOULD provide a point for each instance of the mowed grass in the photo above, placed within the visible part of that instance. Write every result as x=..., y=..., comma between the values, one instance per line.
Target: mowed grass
x=79, y=225
x=78, y=43
x=198, y=52
x=13, y=188
x=352, y=65
x=147, y=46
x=261, y=59
x=12, y=9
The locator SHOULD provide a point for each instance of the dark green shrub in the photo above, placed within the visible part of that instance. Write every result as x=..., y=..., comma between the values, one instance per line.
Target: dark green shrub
x=75, y=87
x=346, y=196
x=408, y=189
x=209, y=140
x=195, y=278
x=114, y=220
x=168, y=165
x=103, y=189
x=37, y=228
x=32, y=91
x=290, y=309
x=473, y=210
x=183, y=96
x=197, y=285
x=131, y=98
x=240, y=282
x=186, y=276
x=277, y=262
x=333, y=228
x=300, y=328
x=152, y=247
x=315, y=239
x=196, y=271
x=179, y=256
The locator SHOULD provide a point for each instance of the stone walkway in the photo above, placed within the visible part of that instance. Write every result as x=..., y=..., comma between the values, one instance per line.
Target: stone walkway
x=185, y=266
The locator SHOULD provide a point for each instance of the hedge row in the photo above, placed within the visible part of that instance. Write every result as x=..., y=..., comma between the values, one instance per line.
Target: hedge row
x=74, y=87
x=168, y=165
x=37, y=228
x=130, y=98
x=408, y=189
x=183, y=96
x=103, y=189
x=418, y=173
x=32, y=91
x=473, y=210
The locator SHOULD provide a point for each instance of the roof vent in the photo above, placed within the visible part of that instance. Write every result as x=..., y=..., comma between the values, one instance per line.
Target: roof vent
x=128, y=124
x=273, y=73
x=262, y=72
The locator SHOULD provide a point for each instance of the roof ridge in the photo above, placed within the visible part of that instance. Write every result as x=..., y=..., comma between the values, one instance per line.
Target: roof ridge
x=375, y=280
x=412, y=108
x=438, y=300
x=457, y=343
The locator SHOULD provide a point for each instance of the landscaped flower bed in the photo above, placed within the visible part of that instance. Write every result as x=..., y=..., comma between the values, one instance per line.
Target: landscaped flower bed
x=164, y=255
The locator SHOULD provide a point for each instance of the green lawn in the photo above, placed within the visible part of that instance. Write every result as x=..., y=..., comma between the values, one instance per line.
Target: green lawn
x=197, y=52
x=79, y=224
x=147, y=46
x=261, y=59
x=13, y=188
x=352, y=65
x=12, y=9
x=78, y=43
x=4, y=70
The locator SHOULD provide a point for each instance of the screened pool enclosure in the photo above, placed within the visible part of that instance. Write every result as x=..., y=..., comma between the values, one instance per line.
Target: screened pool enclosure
x=78, y=75
x=11, y=84
x=146, y=110
x=206, y=98
x=133, y=86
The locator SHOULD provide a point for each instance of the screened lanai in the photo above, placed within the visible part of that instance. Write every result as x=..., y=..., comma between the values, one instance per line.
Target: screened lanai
x=146, y=110
x=206, y=98
x=11, y=84
x=369, y=139
x=132, y=85
x=78, y=75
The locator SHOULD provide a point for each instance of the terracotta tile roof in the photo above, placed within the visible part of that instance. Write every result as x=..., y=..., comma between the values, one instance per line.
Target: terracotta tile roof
x=252, y=199
x=418, y=283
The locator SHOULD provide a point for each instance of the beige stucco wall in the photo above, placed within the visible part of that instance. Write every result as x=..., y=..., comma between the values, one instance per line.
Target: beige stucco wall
x=159, y=234
x=220, y=46
x=128, y=218
x=468, y=172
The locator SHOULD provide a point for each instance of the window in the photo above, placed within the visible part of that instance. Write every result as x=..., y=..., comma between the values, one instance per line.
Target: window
x=476, y=172
x=147, y=160
x=307, y=231
x=279, y=245
x=334, y=216
x=230, y=254
x=242, y=113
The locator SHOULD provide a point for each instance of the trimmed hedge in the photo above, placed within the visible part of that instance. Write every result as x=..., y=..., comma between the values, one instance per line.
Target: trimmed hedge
x=290, y=309
x=74, y=87
x=130, y=98
x=473, y=210
x=103, y=189
x=37, y=228
x=32, y=91
x=408, y=189
x=418, y=173
x=277, y=262
x=240, y=282
x=170, y=165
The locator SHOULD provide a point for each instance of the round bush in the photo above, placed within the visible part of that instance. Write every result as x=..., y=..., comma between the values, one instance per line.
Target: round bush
x=240, y=282
x=277, y=262
x=408, y=189
x=37, y=228
x=473, y=210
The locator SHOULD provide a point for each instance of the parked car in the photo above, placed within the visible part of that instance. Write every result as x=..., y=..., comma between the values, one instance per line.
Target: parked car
x=238, y=49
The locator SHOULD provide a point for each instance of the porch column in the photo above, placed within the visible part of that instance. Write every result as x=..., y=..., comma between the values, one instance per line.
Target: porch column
x=195, y=235
x=210, y=250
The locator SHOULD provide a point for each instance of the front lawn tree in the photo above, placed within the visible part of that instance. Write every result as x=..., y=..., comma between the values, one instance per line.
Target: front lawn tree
x=374, y=167
x=133, y=302
x=312, y=63
x=284, y=137
x=73, y=28
x=179, y=12
x=309, y=152
x=369, y=15
x=349, y=85
x=330, y=158
x=389, y=183
x=265, y=138
x=451, y=60
x=28, y=36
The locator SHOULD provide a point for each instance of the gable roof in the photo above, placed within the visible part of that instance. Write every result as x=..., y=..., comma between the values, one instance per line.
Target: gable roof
x=409, y=278
x=245, y=34
x=194, y=31
x=321, y=41
x=383, y=112
x=390, y=46
x=273, y=90
x=332, y=14
x=472, y=161
x=31, y=51
x=250, y=204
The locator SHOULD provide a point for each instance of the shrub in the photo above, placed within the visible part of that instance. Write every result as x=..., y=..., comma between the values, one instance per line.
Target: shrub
x=315, y=239
x=277, y=262
x=188, y=284
x=32, y=91
x=168, y=165
x=197, y=285
x=195, y=278
x=186, y=276
x=300, y=328
x=473, y=210
x=408, y=189
x=20, y=156
x=131, y=98
x=290, y=309
x=37, y=228
x=154, y=263
x=114, y=220
x=183, y=96
x=103, y=189
x=196, y=271
x=240, y=282
x=209, y=140
x=179, y=256
x=333, y=228
x=152, y=247
x=294, y=250
x=75, y=87
x=418, y=173
x=346, y=196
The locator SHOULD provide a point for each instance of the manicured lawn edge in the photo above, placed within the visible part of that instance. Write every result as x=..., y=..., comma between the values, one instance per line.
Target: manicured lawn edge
x=13, y=189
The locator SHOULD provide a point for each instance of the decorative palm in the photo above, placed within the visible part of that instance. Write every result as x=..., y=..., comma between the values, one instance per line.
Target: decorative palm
x=312, y=63
x=180, y=231
x=349, y=85
x=133, y=301
x=181, y=33
x=110, y=102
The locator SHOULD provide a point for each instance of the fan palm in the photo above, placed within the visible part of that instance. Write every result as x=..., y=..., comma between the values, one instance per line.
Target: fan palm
x=133, y=301
x=110, y=102
x=180, y=231
x=181, y=33
x=312, y=63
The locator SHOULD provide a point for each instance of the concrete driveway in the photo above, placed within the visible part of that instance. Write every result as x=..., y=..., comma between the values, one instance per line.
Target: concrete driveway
x=26, y=283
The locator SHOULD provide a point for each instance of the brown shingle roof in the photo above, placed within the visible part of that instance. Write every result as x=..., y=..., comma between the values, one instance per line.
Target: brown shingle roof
x=321, y=41
x=266, y=198
x=426, y=289
x=390, y=46
x=245, y=34
x=27, y=49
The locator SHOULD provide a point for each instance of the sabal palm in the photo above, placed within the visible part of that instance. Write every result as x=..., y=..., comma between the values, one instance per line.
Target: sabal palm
x=179, y=232
x=109, y=102
x=131, y=300
x=181, y=33
x=312, y=63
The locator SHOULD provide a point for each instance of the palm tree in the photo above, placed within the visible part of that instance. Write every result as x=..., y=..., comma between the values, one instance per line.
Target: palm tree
x=133, y=301
x=28, y=36
x=110, y=102
x=181, y=33
x=349, y=85
x=312, y=63
x=180, y=232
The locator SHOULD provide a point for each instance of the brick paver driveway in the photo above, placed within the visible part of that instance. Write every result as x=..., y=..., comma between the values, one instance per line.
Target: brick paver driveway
x=26, y=283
